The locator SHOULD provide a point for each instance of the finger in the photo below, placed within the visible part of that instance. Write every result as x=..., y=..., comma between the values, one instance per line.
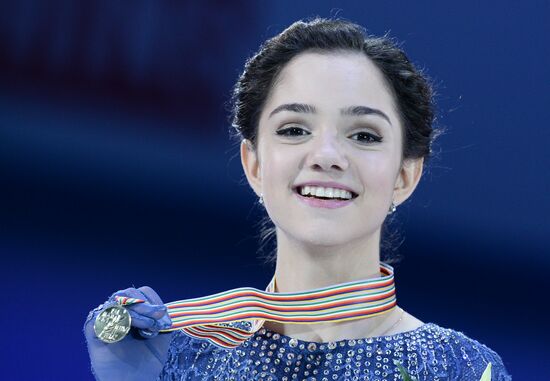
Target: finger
x=151, y=295
x=152, y=311
x=148, y=334
x=146, y=315
x=142, y=322
x=128, y=292
x=165, y=322
x=151, y=325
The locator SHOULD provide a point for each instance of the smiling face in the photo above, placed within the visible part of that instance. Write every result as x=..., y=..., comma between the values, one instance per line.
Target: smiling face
x=330, y=117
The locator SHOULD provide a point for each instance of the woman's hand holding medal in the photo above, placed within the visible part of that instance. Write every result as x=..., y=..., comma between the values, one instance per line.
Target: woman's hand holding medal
x=139, y=354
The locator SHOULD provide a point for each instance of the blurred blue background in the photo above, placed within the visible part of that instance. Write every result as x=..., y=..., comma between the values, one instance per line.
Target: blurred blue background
x=117, y=170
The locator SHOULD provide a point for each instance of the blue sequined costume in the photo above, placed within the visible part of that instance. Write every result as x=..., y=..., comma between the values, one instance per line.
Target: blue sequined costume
x=429, y=352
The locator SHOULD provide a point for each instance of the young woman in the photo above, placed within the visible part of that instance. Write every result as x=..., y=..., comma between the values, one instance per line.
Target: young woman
x=335, y=129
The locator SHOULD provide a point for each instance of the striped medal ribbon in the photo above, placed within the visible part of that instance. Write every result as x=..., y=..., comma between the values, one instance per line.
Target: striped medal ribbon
x=209, y=317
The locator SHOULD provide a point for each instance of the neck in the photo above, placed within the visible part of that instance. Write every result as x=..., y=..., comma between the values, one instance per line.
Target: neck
x=302, y=267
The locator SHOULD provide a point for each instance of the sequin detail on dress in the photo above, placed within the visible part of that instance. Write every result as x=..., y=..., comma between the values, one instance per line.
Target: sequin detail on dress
x=429, y=352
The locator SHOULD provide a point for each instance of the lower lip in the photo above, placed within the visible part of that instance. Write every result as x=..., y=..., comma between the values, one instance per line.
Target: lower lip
x=320, y=203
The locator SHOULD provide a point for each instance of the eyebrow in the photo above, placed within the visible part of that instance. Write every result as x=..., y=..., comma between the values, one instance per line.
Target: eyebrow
x=348, y=111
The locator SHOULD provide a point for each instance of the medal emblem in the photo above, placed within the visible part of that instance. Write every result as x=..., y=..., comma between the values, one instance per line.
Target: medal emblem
x=112, y=324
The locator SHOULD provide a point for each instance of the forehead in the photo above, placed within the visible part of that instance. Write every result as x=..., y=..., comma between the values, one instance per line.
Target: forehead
x=330, y=81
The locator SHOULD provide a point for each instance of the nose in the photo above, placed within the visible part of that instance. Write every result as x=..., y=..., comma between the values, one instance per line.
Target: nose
x=327, y=153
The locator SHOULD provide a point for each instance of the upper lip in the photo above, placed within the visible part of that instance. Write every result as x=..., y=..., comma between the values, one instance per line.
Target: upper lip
x=326, y=184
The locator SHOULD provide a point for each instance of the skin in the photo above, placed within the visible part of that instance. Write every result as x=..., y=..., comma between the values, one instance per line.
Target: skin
x=318, y=247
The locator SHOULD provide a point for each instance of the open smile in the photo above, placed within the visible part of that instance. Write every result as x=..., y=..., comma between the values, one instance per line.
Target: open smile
x=321, y=201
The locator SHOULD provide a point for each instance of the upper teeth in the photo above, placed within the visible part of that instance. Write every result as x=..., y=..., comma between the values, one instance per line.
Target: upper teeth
x=325, y=192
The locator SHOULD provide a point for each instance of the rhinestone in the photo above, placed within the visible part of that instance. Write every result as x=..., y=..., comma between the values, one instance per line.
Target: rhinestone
x=352, y=359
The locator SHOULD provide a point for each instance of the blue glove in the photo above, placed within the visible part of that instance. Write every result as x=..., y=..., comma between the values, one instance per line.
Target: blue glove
x=142, y=353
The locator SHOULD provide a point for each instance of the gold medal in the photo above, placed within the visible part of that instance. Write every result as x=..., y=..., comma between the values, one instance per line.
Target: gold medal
x=112, y=324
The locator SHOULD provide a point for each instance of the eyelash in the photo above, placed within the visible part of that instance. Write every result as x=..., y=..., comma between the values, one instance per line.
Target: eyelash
x=375, y=139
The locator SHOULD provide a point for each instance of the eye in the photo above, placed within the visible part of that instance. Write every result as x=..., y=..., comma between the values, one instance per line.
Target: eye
x=292, y=131
x=363, y=137
x=367, y=138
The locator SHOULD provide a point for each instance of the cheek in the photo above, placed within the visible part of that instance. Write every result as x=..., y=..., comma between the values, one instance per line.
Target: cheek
x=377, y=174
x=278, y=167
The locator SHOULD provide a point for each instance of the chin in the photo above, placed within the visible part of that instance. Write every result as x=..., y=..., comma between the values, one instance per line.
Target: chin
x=321, y=237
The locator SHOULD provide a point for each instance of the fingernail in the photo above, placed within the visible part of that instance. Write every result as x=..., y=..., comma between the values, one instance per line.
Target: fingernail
x=147, y=333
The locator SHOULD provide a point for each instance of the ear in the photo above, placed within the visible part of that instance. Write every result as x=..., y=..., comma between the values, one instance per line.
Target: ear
x=251, y=166
x=407, y=179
